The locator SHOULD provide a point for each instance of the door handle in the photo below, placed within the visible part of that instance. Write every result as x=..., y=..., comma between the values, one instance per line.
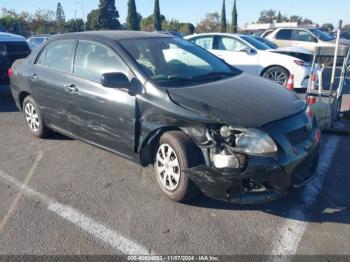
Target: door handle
x=71, y=88
x=34, y=77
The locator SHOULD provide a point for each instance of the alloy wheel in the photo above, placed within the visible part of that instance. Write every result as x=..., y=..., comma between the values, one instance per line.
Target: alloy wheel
x=168, y=167
x=277, y=76
x=32, y=117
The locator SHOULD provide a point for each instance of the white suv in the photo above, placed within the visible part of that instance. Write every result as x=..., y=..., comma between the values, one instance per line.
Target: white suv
x=308, y=38
x=254, y=57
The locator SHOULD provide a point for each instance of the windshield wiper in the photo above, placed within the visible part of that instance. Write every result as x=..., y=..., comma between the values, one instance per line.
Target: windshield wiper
x=216, y=75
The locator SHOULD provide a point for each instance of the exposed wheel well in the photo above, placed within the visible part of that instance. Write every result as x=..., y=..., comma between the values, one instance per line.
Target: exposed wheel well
x=22, y=96
x=149, y=145
x=267, y=68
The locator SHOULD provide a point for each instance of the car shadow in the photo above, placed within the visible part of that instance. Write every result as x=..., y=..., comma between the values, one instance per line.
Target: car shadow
x=7, y=104
x=291, y=207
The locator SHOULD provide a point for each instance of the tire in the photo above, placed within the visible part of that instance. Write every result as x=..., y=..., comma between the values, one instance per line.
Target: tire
x=277, y=74
x=187, y=154
x=33, y=118
x=327, y=60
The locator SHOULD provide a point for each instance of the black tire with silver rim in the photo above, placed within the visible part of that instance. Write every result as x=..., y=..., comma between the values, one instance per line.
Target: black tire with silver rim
x=176, y=152
x=33, y=117
x=277, y=74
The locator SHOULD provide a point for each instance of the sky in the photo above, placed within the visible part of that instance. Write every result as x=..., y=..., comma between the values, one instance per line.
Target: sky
x=320, y=11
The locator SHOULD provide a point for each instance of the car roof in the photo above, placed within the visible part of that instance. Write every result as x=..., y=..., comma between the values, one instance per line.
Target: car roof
x=213, y=34
x=112, y=35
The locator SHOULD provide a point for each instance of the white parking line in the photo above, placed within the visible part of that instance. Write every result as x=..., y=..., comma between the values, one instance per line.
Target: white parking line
x=14, y=203
x=99, y=231
x=289, y=236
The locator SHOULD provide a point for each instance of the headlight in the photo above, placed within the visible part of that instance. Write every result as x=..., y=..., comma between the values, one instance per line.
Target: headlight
x=250, y=141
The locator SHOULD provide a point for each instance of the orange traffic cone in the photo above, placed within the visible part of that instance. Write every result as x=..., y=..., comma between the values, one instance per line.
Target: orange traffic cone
x=290, y=83
x=312, y=99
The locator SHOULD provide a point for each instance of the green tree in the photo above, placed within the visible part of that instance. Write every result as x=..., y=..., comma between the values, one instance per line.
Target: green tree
x=157, y=22
x=92, y=20
x=328, y=27
x=133, y=19
x=346, y=28
x=60, y=18
x=74, y=25
x=267, y=16
x=108, y=15
x=223, y=28
x=211, y=23
x=279, y=17
x=234, y=26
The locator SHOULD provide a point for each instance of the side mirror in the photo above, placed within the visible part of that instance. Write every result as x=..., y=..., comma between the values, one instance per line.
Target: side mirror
x=248, y=50
x=115, y=80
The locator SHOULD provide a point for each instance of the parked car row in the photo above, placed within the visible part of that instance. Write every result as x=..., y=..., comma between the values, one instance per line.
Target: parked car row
x=12, y=47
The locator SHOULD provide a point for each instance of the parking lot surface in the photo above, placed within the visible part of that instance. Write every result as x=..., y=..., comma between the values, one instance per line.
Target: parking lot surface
x=64, y=197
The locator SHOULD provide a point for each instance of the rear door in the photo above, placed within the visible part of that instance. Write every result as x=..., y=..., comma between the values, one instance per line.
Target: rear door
x=206, y=42
x=49, y=77
x=104, y=116
x=233, y=51
x=304, y=39
x=283, y=37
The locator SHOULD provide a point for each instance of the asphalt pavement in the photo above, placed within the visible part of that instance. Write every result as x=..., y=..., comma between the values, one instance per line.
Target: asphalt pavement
x=63, y=197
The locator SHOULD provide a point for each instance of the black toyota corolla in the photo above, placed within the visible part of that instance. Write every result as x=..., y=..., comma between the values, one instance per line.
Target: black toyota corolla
x=157, y=99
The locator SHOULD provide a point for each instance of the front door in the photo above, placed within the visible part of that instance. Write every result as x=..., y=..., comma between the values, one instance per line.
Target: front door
x=105, y=116
x=234, y=52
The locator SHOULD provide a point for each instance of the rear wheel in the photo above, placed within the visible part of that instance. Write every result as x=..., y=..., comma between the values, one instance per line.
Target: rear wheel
x=277, y=74
x=176, y=152
x=33, y=118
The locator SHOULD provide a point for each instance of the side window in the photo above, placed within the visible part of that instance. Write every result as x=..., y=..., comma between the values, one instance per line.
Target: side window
x=204, y=42
x=301, y=35
x=284, y=34
x=59, y=55
x=92, y=60
x=230, y=44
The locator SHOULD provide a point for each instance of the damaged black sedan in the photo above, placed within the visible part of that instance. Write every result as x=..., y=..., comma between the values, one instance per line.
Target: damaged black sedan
x=156, y=99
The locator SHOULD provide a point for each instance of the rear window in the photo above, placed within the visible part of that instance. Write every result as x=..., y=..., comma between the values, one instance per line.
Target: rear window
x=205, y=42
x=284, y=34
x=59, y=55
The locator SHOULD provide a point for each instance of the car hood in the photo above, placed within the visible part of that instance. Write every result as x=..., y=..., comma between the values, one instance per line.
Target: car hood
x=292, y=49
x=7, y=37
x=241, y=101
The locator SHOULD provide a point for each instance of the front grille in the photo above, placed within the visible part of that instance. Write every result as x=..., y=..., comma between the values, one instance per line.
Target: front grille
x=298, y=136
x=17, y=50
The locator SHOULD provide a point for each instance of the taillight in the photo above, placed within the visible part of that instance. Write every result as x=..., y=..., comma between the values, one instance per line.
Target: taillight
x=9, y=72
x=299, y=62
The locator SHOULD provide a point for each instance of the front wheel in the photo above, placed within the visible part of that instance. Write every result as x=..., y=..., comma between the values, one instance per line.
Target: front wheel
x=277, y=74
x=176, y=152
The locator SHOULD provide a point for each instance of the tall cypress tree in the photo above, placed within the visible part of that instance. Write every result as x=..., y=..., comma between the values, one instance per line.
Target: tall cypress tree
x=223, y=27
x=60, y=18
x=132, y=21
x=234, y=26
x=108, y=15
x=157, y=21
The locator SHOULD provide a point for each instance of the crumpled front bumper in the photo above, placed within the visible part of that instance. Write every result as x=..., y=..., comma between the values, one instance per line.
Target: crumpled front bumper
x=264, y=178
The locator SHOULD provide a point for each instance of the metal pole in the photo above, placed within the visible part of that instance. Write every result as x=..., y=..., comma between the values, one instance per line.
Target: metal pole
x=84, y=20
x=335, y=59
x=76, y=22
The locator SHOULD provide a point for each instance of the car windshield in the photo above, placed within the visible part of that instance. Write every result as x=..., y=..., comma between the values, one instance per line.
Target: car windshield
x=321, y=35
x=266, y=42
x=174, y=62
x=257, y=44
